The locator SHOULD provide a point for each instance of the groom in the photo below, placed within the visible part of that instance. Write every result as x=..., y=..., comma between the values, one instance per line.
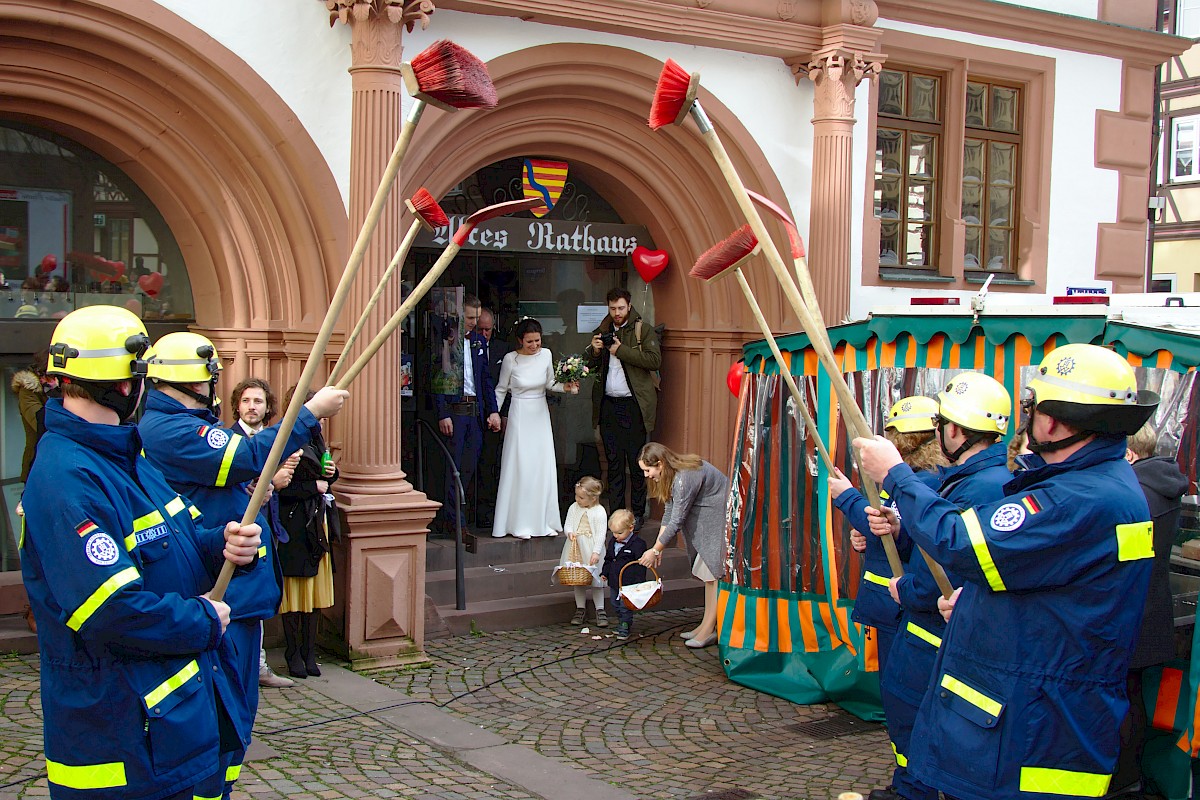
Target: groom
x=461, y=417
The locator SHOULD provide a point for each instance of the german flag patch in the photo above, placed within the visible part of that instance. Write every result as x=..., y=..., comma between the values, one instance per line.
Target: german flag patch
x=1031, y=503
x=86, y=527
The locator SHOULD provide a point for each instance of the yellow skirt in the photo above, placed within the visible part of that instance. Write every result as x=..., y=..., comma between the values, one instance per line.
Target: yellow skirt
x=309, y=594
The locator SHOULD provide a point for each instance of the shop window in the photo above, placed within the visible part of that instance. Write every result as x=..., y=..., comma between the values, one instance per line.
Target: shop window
x=907, y=146
x=1184, y=145
x=76, y=231
x=991, y=153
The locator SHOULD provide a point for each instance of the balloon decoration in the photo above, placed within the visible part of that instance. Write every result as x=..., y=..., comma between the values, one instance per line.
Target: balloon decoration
x=733, y=378
x=649, y=263
x=49, y=263
x=151, y=284
x=134, y=305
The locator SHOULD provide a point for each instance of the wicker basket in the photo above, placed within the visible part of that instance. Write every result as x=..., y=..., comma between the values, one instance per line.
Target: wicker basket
x=655, y=598
x=575, y=576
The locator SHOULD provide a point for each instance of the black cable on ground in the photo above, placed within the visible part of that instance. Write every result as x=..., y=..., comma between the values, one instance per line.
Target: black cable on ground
x=470, y=692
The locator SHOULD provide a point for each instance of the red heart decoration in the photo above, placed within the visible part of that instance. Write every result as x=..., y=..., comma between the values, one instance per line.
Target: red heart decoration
x=733, y=378
x=151, y=283
x=49, y=263
x=650, y=263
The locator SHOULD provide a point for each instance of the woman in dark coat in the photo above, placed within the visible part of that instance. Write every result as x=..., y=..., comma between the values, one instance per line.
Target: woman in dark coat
x=309, y=515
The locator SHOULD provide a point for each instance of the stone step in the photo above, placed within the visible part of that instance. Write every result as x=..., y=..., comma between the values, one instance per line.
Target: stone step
x=15, y=636
x=553, y=608
x=439, y=553
x=514, y=580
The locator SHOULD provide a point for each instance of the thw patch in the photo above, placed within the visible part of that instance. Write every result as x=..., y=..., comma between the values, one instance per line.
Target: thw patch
x=217, y=438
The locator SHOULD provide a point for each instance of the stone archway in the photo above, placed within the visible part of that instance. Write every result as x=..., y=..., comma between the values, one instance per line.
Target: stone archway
x=243, y=188
x=588, y=104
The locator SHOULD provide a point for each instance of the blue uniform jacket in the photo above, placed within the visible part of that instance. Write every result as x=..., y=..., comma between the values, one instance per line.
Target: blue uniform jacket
x=874, y=605
x=211, y=465
x=980, y=480
x=132, y=661
x=1029, y=685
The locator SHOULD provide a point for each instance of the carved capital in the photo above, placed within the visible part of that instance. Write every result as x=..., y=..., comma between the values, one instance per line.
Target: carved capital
x=406, y=12
x=835, y=74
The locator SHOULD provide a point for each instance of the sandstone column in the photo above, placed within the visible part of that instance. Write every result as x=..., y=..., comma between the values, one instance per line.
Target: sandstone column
x=842, y=61
x=381, y=582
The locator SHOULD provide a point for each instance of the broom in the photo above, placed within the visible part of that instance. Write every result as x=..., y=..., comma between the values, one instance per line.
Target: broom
x=443, y=74
x=428, y=215
x=435, y=272
x=674, y=100
x=727, y=257
x=803, y=278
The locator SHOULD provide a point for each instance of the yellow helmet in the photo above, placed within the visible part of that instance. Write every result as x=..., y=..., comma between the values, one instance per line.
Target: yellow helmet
x=183, y=357
x=914, y=414
x=99, y=343
x=976, y=402
x=1091, y=388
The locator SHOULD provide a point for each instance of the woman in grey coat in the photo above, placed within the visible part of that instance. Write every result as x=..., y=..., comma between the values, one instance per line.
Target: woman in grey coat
x=695, y=493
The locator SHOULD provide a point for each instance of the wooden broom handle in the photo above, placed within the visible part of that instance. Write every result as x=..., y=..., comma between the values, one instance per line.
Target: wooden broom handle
x=397, y=259
x=817, y=335
x=317, y=354
x=403, y=311
x=846, y=402
x=784, y=371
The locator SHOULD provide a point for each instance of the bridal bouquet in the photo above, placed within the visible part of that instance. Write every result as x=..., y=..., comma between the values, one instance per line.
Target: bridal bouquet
x=571, y=369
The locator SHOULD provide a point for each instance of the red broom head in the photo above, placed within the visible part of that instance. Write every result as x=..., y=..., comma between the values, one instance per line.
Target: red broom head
x=673, y=96
x=448, y=76
x=722, y=258
x=796, y=242
x=491, y=212
x=793, y=235
x=426, y=209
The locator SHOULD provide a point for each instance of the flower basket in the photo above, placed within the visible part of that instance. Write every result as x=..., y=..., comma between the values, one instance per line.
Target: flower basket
x=574, y=573
x=640, y=596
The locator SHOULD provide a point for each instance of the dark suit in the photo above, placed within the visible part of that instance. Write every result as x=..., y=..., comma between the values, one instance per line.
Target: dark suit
x=489, y=458
x=469, y=415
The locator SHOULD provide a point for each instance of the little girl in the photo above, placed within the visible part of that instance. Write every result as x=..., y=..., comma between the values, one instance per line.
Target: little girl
x=585, y=525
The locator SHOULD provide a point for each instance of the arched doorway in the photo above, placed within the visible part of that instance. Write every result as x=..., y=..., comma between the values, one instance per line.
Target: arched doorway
x=239, y=182
x=587, y=104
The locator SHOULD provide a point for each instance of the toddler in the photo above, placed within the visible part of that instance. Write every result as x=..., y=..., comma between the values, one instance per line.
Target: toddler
x=586, y=521
x=624, y=547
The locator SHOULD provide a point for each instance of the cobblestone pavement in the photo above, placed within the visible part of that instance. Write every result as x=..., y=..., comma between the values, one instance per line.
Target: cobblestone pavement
x=647, y=715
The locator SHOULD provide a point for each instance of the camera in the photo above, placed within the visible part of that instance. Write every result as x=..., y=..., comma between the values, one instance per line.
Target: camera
x=606, y=338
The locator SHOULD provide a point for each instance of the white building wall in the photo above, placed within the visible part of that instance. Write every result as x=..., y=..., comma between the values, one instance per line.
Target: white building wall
x=289, y=43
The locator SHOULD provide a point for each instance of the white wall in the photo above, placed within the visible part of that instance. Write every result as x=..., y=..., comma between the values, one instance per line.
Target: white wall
x=1076, y=8
x=1081, y=195
x=290, y=45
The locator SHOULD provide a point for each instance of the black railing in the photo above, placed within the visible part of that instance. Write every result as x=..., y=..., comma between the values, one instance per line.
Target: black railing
x=460, y=581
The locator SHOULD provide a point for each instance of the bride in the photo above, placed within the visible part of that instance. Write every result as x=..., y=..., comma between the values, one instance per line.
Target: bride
x=527, y=499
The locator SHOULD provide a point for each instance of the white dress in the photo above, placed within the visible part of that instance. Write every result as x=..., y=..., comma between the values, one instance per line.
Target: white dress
x=590, y=524
x=527, y=498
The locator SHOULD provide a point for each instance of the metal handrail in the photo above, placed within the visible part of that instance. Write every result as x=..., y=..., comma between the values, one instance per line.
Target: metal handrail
x=460, y=581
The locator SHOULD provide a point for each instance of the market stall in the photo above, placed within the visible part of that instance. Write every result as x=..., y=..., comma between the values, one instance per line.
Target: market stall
x=784, y=606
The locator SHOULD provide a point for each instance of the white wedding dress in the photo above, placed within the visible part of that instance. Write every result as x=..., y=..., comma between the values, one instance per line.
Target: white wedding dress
x=527, y=499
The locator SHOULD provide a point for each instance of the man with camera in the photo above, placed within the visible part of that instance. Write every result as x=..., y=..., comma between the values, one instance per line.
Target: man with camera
x=624, y=355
